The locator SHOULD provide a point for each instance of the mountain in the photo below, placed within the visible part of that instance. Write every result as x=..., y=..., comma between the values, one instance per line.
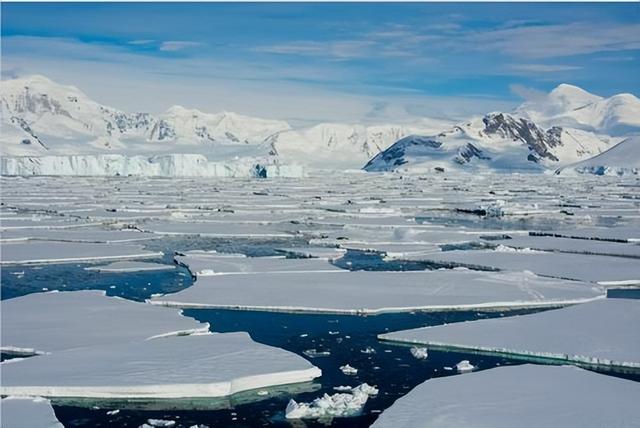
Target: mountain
x=573, y=107
x=621, y=159
x=497, y=141
x=41, y=117
x=342, y=145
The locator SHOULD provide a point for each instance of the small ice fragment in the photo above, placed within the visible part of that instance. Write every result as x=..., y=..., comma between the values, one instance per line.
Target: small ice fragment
x=342, y=388
x=368, y=350
x=160, y=422
x=465, y=366
x=333, y=333
x=348, y=370
x=313, y=353
x=304, y=335
x=113, y=412
x=419, y=353
x=263, y=392
x=448, y=368
x=336, y=405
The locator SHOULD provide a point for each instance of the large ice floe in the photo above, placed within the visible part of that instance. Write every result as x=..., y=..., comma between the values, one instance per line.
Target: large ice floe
x=524, y=396
x=57, y=321
x=362, y=292
x=601, y=334
x=340, y=405
x=582, y=267
x=99, y=347
x=204, y=263
x=567, y=245
x=37, y=252
x=129, y=266
x=201, y=365
x=27, y=412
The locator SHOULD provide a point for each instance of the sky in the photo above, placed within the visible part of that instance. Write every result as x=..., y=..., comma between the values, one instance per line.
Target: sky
x=313, y=62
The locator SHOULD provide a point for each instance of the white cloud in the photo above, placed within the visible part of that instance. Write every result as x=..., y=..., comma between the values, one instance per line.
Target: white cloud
x=178, y=45
x=543, y=68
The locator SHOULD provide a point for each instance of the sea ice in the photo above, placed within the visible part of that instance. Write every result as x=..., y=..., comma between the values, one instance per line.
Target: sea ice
x=27, y=412
x=56, y=321
x=200, y=365
x=329, y=406
x=419, y=353
x=36, y=252
x=465, y=366
x=362, y=292
x=129, y=266
x=567, y=245
x=525, y=396
x=600, y=269
x=601, y=333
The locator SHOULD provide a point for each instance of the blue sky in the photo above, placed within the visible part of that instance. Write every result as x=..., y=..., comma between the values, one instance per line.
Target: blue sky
x=310, y=62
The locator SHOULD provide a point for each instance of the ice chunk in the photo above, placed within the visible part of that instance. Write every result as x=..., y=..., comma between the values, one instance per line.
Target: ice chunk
x=329, y=406
x=27, y=412
x=525, y=396
x=348, y=370
x=419, y=353
x=161, y=422
x=465, y=366
x=599, y=334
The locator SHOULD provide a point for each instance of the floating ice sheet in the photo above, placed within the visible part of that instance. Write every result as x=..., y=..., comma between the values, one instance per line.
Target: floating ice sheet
x=203, y=365
x=36, y=252
x=27, y=412
x=581, y=246
x=525, y=396
x=314, y=252
x=362, y=292
x=221, y=229
x=50, y=322
x=84, y=234
x=129, y=266
x=202, y=263
x=620, y=233
x=601, y=269
x=602, y=333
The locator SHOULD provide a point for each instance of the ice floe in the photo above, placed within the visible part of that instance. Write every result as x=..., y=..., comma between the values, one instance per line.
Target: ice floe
x=200, y=365
x=129, y=266
x=582, y=267
x=27, y=412
x=37, y=252
x=56, y=321
x=525, y=396
x=600, y=334
x=362, y=292
x=567, y=245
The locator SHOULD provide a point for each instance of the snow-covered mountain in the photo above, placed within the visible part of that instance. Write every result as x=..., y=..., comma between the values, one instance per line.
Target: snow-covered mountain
x=41, y=117
x=573, y=107
x=344, y=145
x=621, y=159
x=498, y=141
x=566, y=126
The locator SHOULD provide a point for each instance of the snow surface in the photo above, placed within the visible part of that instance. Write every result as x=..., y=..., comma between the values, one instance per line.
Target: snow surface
x=34, y=252
x=48, y=322
x=363, y=292
x=621, y=159
x=601, y=333
x=27, y=412
x=526, y=396
x=571, y=106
